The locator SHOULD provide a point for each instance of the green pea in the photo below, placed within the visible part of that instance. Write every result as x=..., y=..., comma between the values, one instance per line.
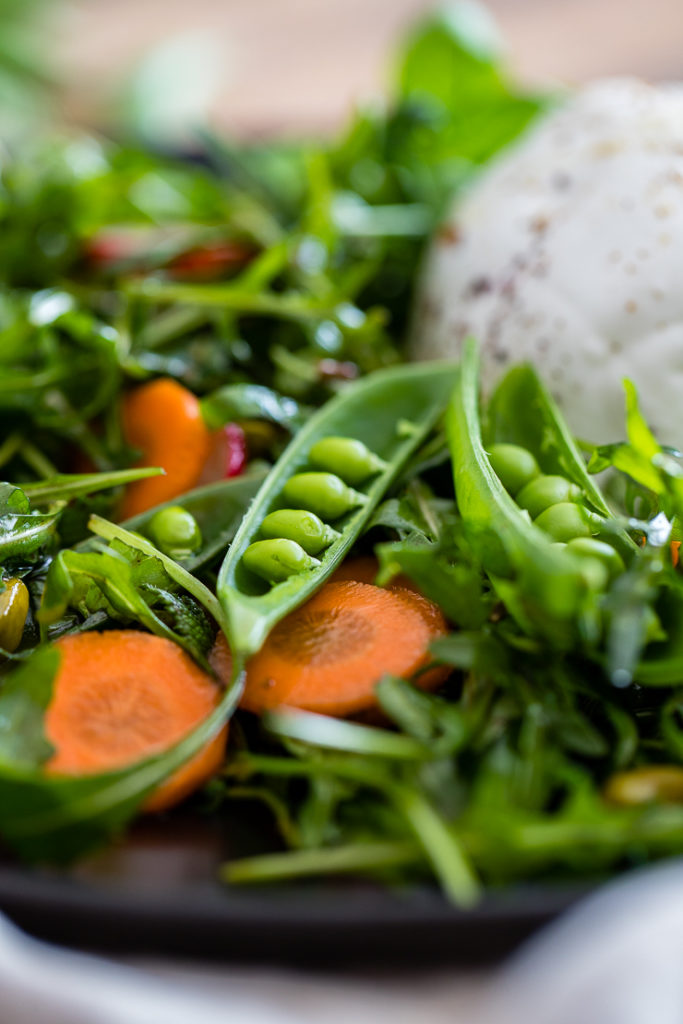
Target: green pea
x=322, y=493
x=175, y=531
x=566, y=520
x=595, y=573
x=545, y=491
x=306, y=528
x=661, y=783
x=277, y=560
x=514, y=466
x=605, y=553
x=350, y=459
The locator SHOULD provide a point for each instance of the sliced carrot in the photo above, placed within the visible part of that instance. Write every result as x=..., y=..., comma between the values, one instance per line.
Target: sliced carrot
x=675, y=552
x=329, y=655
x=123, y=696
x=164, y=421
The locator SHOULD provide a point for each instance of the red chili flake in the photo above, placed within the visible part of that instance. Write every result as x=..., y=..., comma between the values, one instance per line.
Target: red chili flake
x=235, y=450
x=336, y=370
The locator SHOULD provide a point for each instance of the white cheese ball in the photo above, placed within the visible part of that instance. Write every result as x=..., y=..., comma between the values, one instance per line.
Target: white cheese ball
x=568, y=252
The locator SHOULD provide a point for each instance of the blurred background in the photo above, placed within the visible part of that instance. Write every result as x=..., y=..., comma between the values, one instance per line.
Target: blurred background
x=294, y=67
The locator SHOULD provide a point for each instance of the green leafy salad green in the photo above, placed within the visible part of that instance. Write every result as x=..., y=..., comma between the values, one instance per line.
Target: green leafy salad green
x=541, y=733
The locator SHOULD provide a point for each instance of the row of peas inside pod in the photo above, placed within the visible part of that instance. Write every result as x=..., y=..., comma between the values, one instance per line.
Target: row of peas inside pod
x=337, y=468
x=556, y=505
x=294, y=535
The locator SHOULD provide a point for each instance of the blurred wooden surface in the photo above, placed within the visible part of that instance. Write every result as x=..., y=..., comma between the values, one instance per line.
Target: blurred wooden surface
x=298, y=65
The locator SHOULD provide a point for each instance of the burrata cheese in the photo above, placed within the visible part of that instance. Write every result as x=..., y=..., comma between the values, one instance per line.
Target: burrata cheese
x=568, y=252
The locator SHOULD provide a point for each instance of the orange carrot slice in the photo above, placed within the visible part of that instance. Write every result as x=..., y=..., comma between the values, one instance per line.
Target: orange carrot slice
x=163, y=419
x=675, y=552
x=328, y=655
x=123, y=696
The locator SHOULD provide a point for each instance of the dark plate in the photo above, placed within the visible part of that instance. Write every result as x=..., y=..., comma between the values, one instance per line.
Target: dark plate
x=156, y=892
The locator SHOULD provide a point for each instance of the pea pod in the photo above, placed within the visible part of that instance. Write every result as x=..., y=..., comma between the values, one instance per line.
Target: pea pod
x=369, y=411
x=522, y=412
x=544, y=585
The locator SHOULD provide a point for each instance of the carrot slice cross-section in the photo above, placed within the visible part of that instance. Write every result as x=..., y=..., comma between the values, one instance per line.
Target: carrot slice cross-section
x=123, y=696
x=329, y=654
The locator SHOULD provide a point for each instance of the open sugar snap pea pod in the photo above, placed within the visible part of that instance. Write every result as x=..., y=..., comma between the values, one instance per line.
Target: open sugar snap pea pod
x=373, y=411
x=544, y=585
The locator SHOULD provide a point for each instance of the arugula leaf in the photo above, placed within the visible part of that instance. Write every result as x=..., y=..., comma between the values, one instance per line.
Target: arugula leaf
x=65, y=486
x=24, y=696
x=250, y=401
x=457, y=49
x=432, y=720
x=457, y=588
x=22, y=532
x=129, y=588
x=13, y=501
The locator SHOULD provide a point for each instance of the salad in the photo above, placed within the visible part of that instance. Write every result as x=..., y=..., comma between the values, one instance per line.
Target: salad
x=250, y=552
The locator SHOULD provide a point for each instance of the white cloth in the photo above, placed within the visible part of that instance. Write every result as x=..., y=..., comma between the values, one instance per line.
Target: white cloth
x=40, y=984
x=43, y=985
x=615, y=959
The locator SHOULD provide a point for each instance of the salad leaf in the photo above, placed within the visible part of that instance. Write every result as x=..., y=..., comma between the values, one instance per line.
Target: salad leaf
x=24, y=696
x=130, y=588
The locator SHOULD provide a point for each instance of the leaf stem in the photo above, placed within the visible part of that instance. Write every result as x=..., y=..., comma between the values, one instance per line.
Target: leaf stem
x=441, y=847
x=289, y=306
x=329, y=860
x=110, y=531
